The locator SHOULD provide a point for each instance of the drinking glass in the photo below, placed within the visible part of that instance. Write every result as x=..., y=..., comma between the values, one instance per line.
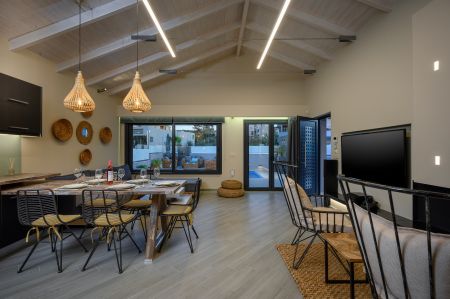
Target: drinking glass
x=143, y=174
x=121, y=173
x=78, y=172
x=98, y=174
x=156, y=172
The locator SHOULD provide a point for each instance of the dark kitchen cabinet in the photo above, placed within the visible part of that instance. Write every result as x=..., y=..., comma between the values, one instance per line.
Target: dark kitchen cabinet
x=10, y=228
x=20, y=107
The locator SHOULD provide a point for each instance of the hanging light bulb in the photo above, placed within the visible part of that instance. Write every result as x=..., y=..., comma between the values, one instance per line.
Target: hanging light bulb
x=136, y=100
x=78, y=99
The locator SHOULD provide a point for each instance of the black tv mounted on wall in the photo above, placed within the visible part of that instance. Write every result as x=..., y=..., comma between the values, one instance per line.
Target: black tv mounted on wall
x=378, y=156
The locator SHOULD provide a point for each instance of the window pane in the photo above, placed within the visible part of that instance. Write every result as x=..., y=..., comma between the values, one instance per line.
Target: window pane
x=196, y=147
x=152, y=145
x=258, y=158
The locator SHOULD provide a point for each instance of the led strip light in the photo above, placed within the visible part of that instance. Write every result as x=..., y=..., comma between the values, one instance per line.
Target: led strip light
x=274, y=31
x=158, y=26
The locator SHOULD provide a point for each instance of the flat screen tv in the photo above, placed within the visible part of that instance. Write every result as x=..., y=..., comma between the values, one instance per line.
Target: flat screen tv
x=376, y=156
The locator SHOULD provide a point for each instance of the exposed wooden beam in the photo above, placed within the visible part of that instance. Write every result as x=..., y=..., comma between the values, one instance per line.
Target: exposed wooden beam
x=294, y=43
x=308, y=19
x=278, y=56
x=243, y=24
x=95, y=14
x=161, y=55
x=126, y=41
x=155, y=75
x=377, y=4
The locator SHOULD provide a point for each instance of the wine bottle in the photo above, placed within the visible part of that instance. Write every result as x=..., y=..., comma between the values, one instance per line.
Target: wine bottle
x=110, y=173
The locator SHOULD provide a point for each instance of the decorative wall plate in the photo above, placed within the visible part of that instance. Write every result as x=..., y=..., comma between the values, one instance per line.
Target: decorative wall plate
x=84, y=132
x=87, y=114
x=105, y=135
x=62, y=129
x=85, y=157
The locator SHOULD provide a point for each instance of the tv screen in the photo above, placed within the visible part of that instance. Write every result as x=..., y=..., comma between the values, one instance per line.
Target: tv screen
x=378, y=157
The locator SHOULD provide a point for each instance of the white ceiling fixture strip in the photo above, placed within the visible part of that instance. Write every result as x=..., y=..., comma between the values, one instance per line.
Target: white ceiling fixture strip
x=158, y=26
x=274, y=32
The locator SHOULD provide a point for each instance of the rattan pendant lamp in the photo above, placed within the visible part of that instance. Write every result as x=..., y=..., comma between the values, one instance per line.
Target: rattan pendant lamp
x=78, y=99
x=136, y=100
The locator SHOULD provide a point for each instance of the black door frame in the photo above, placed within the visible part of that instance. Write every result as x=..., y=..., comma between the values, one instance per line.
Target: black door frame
x=319, y=144
x=271, y=123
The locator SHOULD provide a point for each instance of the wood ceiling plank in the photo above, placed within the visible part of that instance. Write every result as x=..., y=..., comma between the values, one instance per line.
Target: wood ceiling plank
x=178, y=66
x=243, y=25
x=95, y=14
x=126, y=41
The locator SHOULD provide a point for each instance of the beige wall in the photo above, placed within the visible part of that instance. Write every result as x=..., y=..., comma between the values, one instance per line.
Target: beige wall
x=40, y=154
x=430, y=134
x=230, y=88
x=369, y=83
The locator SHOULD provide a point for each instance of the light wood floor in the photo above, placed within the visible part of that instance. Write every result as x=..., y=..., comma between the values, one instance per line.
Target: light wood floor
x=235, y=257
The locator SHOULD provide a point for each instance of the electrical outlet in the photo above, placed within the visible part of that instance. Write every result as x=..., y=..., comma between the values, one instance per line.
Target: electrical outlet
x=232, y=172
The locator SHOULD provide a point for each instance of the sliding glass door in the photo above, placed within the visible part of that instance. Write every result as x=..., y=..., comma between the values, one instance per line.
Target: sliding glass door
x=265, y=142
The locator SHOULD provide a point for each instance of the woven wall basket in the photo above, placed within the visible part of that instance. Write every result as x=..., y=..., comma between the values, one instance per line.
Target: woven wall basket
x=85, y=157
x=62, y=129
x=84, y=132
x=105, y=135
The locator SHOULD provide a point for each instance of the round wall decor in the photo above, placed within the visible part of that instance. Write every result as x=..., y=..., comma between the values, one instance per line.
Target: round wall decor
x=87, y=114
x=62, y=129
x=85, y=157
x=84, y=132
x=105, y=135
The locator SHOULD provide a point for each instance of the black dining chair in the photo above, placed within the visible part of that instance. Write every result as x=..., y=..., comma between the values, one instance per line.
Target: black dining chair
x=101, y=209
x=38, y=210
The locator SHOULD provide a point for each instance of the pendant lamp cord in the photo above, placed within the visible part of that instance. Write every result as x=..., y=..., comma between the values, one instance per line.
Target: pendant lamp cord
x=79, y=35
x=137, y=35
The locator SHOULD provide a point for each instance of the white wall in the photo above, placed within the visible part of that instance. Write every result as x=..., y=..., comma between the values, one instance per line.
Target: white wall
x=430, y=134
x=369, y=83
x=43, y=154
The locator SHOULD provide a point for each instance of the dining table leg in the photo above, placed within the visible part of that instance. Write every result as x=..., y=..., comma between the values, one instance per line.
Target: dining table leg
x=155, y=238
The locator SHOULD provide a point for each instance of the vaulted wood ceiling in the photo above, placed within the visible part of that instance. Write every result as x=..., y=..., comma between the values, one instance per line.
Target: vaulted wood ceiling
x=200, y=30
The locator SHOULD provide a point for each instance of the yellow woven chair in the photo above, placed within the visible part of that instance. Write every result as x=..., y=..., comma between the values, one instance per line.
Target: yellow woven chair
x=141, y=208
x=111, y=224
x=38, y=209
x=181, y=211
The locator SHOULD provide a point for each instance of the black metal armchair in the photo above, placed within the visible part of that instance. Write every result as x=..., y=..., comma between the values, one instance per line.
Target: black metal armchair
x=400, y=262
x=309, y=215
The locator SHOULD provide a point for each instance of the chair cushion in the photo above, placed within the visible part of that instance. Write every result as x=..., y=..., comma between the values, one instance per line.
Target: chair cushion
x=100, y=203
x=137, y=204
x=177, y=210
x=113, y=219
x=413, y=243
x=231, y=184
x=295, y=197
x=52, y=220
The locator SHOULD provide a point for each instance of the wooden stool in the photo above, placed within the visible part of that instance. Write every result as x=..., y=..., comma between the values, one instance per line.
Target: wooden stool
x=346, y=246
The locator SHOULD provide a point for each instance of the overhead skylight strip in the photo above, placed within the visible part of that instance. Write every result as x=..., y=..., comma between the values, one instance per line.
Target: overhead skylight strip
x=274, y=32
x=158, y=26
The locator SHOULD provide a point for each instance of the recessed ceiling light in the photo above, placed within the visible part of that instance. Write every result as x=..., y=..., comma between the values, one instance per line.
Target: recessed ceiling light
x=274, y=31
x=158, y=26
x=436, y=65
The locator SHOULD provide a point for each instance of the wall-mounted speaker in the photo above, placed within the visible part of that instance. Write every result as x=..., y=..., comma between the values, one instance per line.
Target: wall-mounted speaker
x=330, y=182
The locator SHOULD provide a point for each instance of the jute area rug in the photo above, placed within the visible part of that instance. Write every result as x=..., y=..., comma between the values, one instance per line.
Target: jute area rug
x=310, y=277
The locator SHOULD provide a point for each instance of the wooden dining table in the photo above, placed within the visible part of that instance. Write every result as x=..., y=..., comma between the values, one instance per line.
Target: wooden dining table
x=159, y=195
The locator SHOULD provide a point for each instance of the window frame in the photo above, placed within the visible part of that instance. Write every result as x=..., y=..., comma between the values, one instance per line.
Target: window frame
x=174, y=170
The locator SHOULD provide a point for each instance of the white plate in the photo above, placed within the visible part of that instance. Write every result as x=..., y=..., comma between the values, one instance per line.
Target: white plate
x=95, y=181
x=138, y=181
x=73, y=186
x=121, y=186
